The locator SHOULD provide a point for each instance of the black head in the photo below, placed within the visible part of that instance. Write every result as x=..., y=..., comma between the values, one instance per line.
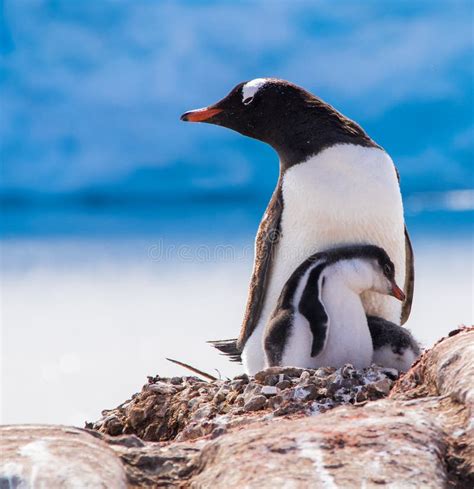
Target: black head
x=293, y=121
x=382, y=262
x=376, y=256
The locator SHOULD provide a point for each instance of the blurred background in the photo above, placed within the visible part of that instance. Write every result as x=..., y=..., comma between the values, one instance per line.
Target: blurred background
x=127, y=236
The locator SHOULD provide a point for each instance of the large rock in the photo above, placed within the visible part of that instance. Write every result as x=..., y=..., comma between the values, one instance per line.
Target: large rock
x=383, y=443
x=293, y=433
x=56, y=456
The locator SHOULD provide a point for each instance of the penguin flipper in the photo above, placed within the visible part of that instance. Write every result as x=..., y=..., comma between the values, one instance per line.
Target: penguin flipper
x=265, y=244
x=276, y=336
x=409, y=278
x=228, y=348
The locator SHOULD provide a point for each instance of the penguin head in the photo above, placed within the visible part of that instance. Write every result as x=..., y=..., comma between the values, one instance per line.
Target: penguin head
x=366, y=267
x=254, y=108
x=287, y=117
x=384, y=276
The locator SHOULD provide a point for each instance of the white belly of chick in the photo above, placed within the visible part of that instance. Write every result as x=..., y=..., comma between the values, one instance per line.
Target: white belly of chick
x=348, y=337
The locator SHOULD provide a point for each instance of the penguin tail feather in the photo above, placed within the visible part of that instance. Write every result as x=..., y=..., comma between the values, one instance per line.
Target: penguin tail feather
x=228, y=348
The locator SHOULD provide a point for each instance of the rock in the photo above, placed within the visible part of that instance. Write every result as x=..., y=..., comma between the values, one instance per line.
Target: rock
x=347, y=371
x=269, y=390
x=309, y=392
x=251, y=390
x=283, y=384
x=238, y=385
x=136, y=416
x=113, y=425
x=57, y=457
x=239, y=400
x=275, y=402
x=255, y=403
x=219, y=431
x=304, y=377
x=361, y=397
x=203, y=412
x=220, y=396
x=271, y=380
x=243, y=377
x=162, y=388
x=289, y=371
x=383, y=386
x=231, y=397
x=306, y=435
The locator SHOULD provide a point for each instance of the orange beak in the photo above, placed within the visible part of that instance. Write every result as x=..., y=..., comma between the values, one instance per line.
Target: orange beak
x=200, y=115
x=397, y=292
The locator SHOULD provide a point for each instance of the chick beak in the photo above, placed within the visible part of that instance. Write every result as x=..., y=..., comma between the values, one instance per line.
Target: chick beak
x=200, y=115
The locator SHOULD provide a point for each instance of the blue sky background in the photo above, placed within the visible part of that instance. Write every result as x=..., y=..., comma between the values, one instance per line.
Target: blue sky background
x=91, y=93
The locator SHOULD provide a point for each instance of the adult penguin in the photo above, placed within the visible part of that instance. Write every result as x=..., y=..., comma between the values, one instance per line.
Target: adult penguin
x=336, y=187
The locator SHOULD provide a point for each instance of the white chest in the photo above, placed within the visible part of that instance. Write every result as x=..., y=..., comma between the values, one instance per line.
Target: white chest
x=345, y=195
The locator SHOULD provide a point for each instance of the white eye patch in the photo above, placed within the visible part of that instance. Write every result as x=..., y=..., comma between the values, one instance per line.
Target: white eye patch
x=251, y=88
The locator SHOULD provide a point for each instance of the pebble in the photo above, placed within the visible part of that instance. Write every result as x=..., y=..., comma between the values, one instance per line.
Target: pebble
x=269, y=390
x=202, y=413
x=361, y=396
x=383, y=386
x=231, y=397
x=324, y=371
x=219, y=431
x=305, y=376
x=220, y=396
x=114, y=426
x=306, y=393
x=347, y=371
x=162, y=388
x=243, y=377
x=271, y=380
x=239, y=400
x=193, y=402
x=283, y=384
x=289, y=371
x=251, y=390
x=189, y=406
x=136, y=415
x=275, y=402
x=238, y=385
x=255, y=403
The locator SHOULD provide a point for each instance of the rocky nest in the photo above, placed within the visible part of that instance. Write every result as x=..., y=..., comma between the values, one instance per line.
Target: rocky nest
x=186, y=408
x=277, y=429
